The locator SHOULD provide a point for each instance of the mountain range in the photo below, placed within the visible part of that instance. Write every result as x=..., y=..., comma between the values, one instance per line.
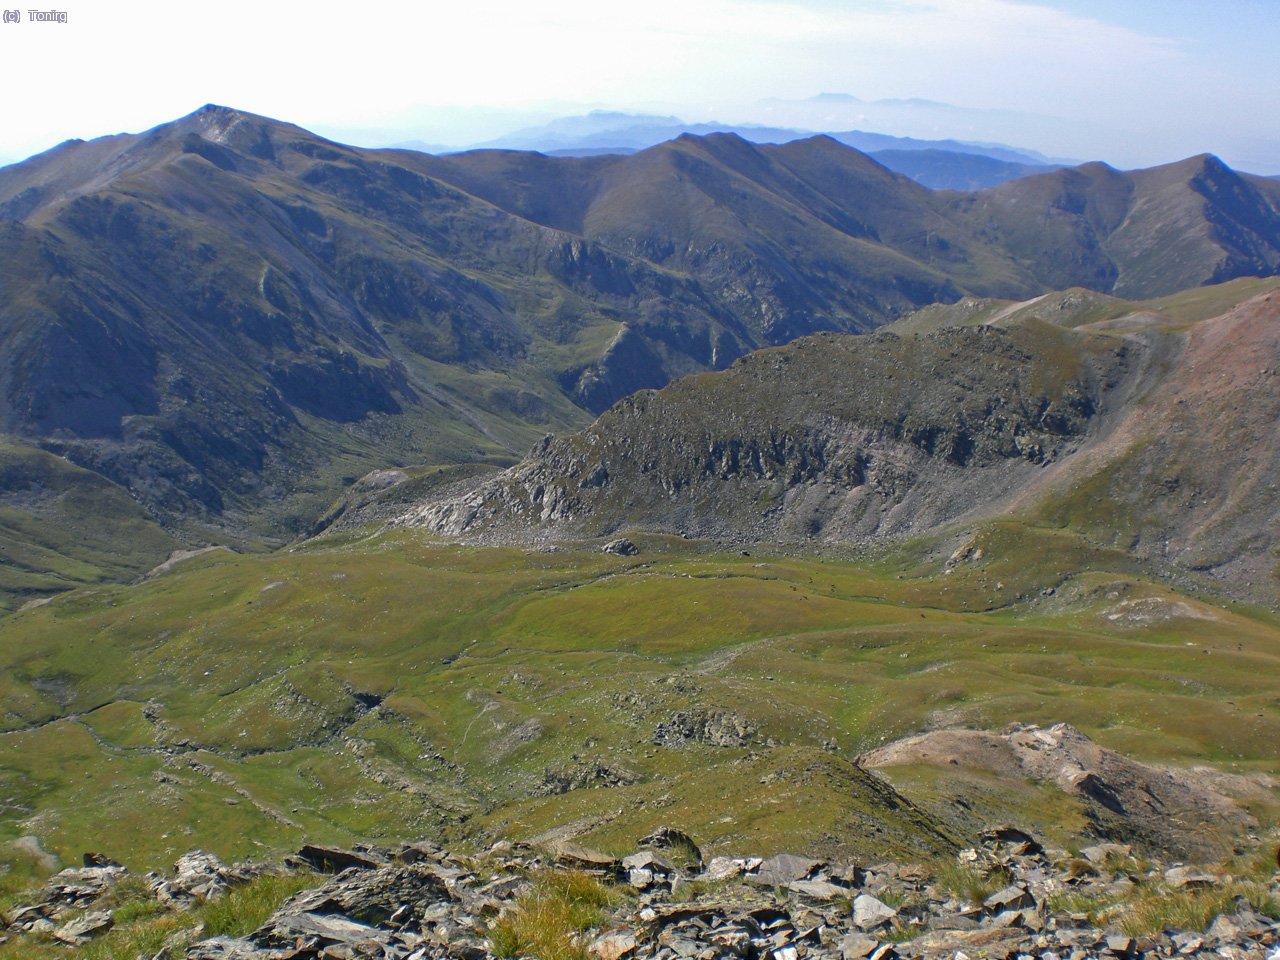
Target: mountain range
x=937, y=164
x=229, y=318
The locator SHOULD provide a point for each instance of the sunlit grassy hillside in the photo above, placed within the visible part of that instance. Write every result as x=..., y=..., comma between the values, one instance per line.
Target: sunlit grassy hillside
x=390, y=685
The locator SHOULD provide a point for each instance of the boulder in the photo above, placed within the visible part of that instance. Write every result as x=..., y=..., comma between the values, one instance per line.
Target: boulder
x=1012, y=840
x=857, y=946
x=373, y=896
x=1099, y=853
x=77, y=887
x=1119, y=945
x=722, y=868
x=1012, y=897
x=197, y=876
x=617, y=945
x=870, y=913
x=677, y=841
x=1189, y=878
x=99, y=860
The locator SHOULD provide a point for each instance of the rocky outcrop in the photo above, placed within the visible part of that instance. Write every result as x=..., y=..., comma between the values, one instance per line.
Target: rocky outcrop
x=716, y=728
x=1179, y=812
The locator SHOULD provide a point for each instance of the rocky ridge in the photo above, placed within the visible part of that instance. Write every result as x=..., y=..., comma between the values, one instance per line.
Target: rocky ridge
x=1010, y=898
x=1151, y=439
x=831, y=438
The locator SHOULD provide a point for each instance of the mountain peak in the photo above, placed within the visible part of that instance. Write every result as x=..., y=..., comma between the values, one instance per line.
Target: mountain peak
x=213, y=116
x=724, y=136
x=238, y=130
x=1199, y=164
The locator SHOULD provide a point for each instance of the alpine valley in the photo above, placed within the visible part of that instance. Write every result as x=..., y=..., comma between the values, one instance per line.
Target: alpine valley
x=753, y=492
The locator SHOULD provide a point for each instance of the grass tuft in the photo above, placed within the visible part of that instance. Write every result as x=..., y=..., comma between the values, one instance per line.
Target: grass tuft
x=549, y=919
x=244, y=909
x=971, y=883
x=1158, y=908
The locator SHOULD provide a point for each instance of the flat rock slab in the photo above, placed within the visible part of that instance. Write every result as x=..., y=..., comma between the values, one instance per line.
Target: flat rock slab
x=82, y=928
x=987, y=942
x=1189, y=878
x=226, y=948
x=335, y=859
x=818, y=889
x=327, y=928
x=584, y=858
x=786, y=868
x=857, y=946
x=646, y=860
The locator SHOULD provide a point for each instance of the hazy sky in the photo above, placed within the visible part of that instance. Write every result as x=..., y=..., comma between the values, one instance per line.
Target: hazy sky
x=1134, y=82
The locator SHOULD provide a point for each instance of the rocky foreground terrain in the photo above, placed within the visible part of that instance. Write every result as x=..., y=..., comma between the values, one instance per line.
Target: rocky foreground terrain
x=1008, y=898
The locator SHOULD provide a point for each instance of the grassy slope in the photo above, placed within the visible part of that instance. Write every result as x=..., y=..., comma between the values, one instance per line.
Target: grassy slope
x=225, y=704
x=48, y=543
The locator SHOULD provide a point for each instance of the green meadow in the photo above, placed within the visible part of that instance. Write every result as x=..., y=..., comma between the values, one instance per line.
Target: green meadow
x=388, y=685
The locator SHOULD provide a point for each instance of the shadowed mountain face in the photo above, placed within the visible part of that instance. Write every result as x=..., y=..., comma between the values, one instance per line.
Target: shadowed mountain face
x=230, y=317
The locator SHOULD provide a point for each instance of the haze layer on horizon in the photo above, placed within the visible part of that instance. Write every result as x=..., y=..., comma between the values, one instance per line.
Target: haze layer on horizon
x=1134, y=84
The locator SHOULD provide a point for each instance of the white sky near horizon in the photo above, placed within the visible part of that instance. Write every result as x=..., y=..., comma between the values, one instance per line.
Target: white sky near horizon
x=1134, y=83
